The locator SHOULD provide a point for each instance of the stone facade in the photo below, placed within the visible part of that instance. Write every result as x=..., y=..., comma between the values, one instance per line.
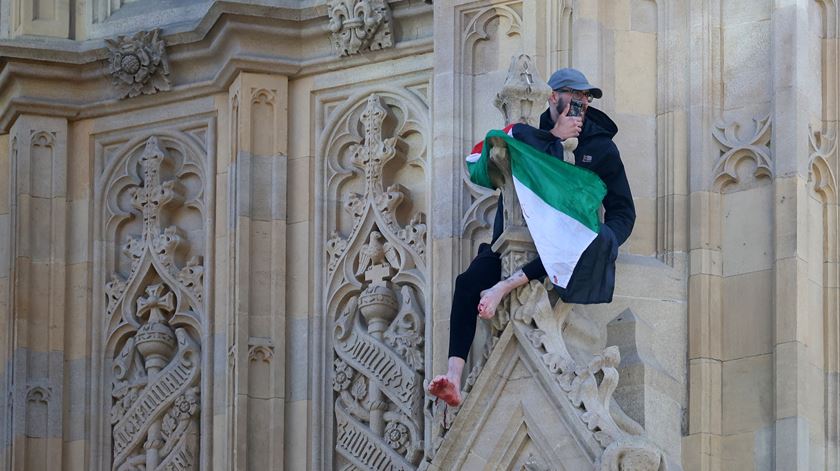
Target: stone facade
x=229, y=233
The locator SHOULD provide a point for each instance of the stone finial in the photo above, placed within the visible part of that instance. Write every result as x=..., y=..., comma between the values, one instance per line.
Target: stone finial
x=359, y=25
x=138, y=64
x=524, y=93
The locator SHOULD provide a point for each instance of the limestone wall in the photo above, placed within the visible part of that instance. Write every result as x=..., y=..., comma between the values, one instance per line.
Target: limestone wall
x=266, y=203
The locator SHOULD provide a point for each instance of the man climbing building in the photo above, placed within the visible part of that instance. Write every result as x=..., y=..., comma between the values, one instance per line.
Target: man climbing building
x=576, y=251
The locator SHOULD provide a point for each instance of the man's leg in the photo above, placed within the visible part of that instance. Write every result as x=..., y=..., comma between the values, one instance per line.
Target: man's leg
x=484, y=272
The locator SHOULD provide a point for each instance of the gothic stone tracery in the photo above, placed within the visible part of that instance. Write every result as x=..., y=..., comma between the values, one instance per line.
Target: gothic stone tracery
x=153, y=315
x=378, y=338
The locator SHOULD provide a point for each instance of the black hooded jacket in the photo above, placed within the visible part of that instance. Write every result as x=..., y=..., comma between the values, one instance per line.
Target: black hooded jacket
x=593, y=279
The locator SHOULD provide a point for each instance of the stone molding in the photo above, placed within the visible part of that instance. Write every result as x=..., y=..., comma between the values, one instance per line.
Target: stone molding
x=203, y=48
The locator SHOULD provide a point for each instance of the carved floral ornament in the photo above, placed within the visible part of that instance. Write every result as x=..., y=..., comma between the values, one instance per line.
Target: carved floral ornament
x=823, y=148
x=153, y=318
x=739, y=141
x=138, y=64
x=375, y=278
x=359, y=25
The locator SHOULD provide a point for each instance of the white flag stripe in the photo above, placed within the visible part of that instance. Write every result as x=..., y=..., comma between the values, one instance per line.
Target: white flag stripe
x=560, y=239
x=472, y=158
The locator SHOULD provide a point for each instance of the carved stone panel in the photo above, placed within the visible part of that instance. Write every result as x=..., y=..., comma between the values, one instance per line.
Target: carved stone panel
x=742, y=143
x=154, y=314
x=359, y=25
x=376, y=279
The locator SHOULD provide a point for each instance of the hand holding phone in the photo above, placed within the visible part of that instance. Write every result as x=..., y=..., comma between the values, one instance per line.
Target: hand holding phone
x=575, y=108
x=567, y=125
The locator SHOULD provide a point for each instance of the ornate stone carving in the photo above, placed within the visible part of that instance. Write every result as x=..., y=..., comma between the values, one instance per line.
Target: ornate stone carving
x=153, y=314
x=359, y=25
x=138, y=64
x=375, y=276
x=589, y=386
x=738, y=143
x=524, y=94
x=336, y=246
x=43, y=139
x=631, y=454
x=260, y=349
x=823, y=146
x=39, y=394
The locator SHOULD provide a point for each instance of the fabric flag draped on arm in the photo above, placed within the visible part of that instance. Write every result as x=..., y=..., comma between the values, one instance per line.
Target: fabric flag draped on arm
x=559, y=201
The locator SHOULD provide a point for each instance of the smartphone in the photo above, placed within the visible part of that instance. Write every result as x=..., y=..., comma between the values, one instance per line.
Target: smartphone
x=576, y=108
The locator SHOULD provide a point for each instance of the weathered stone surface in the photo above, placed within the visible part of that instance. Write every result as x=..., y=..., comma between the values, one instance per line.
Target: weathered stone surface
x=278, y=210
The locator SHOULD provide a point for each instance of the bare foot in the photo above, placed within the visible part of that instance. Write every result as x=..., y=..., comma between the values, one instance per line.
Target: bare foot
x=490, y=299
x=447, y=389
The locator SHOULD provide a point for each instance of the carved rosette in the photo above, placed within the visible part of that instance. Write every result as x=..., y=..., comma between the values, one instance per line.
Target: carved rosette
x=375, y=278
x=138, y=64
x=154, y=310
x=359, y=25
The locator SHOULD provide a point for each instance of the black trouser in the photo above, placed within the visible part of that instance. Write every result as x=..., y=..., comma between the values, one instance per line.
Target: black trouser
x=484, y=271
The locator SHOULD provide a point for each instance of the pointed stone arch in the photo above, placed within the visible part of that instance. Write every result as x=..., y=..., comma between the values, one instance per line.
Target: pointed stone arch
x=153, y=323
x=374, y=154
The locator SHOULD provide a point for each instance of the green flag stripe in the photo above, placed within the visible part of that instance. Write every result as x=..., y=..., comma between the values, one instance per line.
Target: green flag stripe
x=575, y=191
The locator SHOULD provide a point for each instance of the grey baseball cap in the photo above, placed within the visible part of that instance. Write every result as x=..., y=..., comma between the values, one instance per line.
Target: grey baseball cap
x=574, y=79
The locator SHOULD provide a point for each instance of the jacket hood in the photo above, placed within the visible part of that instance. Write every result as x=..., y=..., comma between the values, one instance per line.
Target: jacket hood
x=597, y=123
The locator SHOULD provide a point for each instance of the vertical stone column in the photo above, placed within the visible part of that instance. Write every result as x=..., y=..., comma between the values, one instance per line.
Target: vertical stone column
x=258, y=263
x=824, y=183
x=702, y=445
x=6, y=333
x=38, y=281
x=797, y=355
x=40, y=18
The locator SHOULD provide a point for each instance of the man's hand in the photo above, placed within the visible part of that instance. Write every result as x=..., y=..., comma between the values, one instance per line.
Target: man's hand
x=567, y=126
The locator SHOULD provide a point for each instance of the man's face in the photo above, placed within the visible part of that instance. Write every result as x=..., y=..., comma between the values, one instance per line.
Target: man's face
x=559, y=99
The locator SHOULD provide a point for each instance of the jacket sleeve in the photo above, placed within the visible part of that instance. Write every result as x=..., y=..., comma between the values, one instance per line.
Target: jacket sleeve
x=619, y=210
x=534, y=269
x=539, y=139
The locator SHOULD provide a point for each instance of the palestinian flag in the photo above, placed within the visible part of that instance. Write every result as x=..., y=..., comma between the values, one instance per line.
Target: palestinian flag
x=560, y=201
